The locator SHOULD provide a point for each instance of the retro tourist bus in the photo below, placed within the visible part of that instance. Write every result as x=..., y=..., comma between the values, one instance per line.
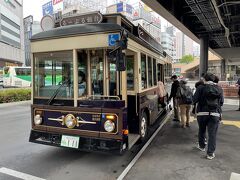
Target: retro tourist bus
x=103, y=93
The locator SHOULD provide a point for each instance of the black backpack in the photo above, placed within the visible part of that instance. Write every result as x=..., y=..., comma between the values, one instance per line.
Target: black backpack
x=186, y=95
x=212, y=95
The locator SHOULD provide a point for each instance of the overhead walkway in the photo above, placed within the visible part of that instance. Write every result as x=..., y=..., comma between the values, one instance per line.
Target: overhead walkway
x=214, y=24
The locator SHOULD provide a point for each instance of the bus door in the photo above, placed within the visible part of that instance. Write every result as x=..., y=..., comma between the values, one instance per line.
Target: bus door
x=90, y=88
x=113, y=78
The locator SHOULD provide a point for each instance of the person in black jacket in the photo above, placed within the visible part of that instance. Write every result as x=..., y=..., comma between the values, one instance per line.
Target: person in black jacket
x=173, y=93
x=208, y=119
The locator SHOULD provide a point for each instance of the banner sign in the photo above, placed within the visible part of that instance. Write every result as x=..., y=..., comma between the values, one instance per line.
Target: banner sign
x=120, y=7
x=129, y=8
x=149, y=39
x=57, y=1
x=47, y=9
x=82, y=19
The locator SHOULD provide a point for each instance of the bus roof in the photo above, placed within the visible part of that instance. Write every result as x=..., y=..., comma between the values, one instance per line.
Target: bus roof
x=75, y=30
x=81, y=29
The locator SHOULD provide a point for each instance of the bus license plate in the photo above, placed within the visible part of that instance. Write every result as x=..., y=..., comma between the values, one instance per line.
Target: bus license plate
x=70, y=141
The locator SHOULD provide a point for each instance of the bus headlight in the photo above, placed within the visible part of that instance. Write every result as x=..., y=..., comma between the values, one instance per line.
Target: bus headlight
x=37, y=119
x=109, y=126
x=70, y=121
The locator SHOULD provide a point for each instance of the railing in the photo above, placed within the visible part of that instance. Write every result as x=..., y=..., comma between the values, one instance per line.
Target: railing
x=101, y=97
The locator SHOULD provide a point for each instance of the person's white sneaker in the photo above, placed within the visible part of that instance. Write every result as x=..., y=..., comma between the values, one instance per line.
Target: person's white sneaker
x=201, y=149
x=210, y=157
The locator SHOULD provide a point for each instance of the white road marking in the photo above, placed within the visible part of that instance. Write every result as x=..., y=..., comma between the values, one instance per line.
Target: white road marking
x=235, y=176
x=131, y=164
x=18, y=174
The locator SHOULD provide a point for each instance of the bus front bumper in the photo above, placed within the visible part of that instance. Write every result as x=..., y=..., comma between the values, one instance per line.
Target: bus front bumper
x=85, y=143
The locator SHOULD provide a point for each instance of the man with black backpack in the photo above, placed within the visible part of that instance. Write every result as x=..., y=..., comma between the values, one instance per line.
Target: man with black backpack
x=184, y=96
x=210, y=99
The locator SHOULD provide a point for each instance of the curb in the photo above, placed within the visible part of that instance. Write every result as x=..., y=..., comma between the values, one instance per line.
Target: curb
x=15, y=103
x=231, y=101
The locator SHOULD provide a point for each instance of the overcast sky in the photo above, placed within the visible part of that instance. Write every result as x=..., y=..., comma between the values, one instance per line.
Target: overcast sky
x=32, y=7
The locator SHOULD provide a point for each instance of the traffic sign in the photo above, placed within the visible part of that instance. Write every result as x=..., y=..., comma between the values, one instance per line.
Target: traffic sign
x=112, y=38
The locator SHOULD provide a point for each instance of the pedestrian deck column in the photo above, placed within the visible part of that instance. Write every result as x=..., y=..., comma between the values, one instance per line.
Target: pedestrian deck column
x=203, y=66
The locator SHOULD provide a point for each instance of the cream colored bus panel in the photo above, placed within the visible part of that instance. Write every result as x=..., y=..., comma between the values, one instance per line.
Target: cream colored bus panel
x=70, y=43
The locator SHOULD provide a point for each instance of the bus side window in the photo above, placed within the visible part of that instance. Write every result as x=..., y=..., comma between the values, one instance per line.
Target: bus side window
x=154, y=73
x=82, y=73
x=150, y=70
x=96, y=59
x=112, y=78
x=130, y=72
x=143, y=71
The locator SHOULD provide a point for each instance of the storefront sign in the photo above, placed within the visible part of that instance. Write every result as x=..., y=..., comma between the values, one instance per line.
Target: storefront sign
x=149, y=39
x=82, y=19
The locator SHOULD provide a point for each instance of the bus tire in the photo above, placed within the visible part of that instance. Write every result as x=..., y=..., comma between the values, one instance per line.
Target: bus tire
x=143, y=127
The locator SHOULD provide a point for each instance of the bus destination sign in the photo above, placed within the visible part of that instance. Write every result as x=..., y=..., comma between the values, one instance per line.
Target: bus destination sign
x=149, y=39
x=95, y=17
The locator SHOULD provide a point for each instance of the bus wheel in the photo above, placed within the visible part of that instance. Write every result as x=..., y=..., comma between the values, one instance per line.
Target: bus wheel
x=143, y=127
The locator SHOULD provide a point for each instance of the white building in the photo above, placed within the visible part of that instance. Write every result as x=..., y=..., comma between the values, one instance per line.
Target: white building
x=148, y=19
x=11, y=33
x=179, y=46
x=196, y=50
x=184, y=46
x=167, y=42
x=188, y=46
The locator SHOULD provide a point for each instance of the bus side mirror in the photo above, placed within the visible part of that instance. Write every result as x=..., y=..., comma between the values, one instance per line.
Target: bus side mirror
x=123, y=42
x=120, y=61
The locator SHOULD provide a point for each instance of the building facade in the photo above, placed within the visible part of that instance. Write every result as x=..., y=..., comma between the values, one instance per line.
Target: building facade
x=71, y=7
x=179, y=46
x=167, y=41
x=148, y=19
x=30, y=28
x=188, y=47
x=11, y=33
x=184, y=46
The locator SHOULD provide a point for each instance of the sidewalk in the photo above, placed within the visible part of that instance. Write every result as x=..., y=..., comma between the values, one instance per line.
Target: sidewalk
x=172, y=154
x=3, y=105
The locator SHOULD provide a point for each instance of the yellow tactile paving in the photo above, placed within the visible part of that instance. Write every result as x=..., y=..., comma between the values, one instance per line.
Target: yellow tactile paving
x=225, y=122
x=233, y=123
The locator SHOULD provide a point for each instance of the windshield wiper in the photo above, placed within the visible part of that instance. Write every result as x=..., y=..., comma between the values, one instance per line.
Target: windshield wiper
x=57, y=91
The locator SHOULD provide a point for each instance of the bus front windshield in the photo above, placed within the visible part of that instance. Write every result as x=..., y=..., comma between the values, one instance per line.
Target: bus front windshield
x=55, y=68
x=52, y=71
